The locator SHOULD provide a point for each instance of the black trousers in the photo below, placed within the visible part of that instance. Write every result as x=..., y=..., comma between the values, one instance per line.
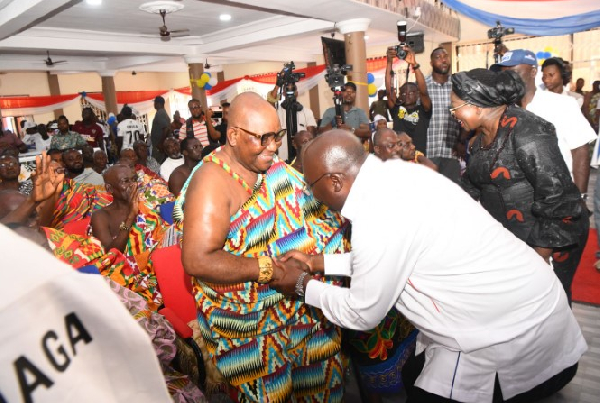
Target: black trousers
x=414, y=365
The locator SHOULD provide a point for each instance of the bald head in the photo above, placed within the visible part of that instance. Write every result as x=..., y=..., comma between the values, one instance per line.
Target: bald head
x=115, y=172
x=245, y=106
x=336, y=150
x=331, y=163
x=382, y=133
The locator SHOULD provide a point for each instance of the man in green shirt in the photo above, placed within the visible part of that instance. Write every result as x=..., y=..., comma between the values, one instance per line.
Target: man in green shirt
x=66, y=138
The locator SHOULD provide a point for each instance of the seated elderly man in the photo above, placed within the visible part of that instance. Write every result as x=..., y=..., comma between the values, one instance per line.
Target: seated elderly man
x=385, y=144
x=494, y=321
x=130, y=227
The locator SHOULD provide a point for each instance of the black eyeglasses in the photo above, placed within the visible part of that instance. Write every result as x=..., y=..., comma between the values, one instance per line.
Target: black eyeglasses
x=265, y=138
x=307, y=189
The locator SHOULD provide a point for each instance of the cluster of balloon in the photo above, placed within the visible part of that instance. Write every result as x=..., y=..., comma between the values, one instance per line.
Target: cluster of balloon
x=206, y=81
x=371, y=84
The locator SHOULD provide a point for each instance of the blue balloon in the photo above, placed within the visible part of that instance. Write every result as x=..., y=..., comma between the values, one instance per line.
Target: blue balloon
x=210, y=75
x=540, y=55
x=83, y=94
x=370, y=78
x=207, y=87
x=547, y=55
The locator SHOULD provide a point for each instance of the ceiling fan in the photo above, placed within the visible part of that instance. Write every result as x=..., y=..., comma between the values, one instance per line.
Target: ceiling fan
x=165, y=34
x=50, y=63
x=206, y=65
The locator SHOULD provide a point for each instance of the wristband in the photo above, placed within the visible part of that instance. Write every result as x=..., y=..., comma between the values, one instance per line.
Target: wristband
x=124, y=227
x=416, y=66
x=300, y=284
x=265, y=269
x=584, y=196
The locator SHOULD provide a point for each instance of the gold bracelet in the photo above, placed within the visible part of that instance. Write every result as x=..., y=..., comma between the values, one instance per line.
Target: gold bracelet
x=265, y=269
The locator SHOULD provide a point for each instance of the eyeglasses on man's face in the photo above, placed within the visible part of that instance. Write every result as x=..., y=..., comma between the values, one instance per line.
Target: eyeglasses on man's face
x=10, y=164
x=308, y=187
x=265, y=138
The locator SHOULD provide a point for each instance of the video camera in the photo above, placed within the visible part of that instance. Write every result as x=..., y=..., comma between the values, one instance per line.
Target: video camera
x=335, y=75
x=287, y=75
x=499, y=31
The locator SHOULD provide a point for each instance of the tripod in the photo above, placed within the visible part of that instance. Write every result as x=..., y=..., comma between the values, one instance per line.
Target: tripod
x=291, y=124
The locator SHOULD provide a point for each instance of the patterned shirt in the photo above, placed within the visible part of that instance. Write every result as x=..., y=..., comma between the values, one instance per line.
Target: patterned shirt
x=443, y=128
x=71, y=139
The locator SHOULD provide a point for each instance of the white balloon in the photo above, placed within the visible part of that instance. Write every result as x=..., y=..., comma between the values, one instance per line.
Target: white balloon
x=213, y=81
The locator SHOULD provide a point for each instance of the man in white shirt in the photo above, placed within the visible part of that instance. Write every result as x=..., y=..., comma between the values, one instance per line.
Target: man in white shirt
x=487, y=306
x=33, y=138
x=574, y=136
x=129, y=130
x=58, y=346
x=174, y=158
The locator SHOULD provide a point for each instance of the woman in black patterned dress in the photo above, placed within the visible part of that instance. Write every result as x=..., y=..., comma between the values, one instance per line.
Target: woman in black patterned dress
x=516, y=169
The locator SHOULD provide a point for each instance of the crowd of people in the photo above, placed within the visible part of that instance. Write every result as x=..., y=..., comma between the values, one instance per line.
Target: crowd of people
x=358, y=237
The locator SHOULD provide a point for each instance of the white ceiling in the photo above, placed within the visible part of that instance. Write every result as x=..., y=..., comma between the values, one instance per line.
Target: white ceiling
x=117, y=35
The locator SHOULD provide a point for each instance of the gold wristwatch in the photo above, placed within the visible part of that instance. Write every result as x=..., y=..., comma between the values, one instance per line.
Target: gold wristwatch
x=265, y=269
x=124, y=227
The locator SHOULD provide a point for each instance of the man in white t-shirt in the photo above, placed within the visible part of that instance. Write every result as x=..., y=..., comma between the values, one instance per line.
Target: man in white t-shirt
x=57, y=345
x=129, y=130
x=33, y=139
x=174, y=158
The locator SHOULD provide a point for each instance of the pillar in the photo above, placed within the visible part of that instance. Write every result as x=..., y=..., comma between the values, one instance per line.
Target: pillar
x=109, y=92
x=196, y=68
x=356, y=55
x=313, y=96
x=54, y=90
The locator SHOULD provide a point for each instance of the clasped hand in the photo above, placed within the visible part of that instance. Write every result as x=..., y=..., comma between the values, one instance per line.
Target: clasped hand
x=288, y=268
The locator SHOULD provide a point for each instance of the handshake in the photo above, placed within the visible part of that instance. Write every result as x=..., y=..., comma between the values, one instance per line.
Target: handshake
x=293, y=270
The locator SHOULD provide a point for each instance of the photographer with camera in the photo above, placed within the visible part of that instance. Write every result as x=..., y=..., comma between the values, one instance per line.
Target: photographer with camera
x=409, y=115
x=355, y=119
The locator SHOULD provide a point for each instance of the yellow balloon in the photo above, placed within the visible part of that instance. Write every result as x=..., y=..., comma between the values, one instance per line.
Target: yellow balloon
x=541, y=61
x=372, y=89
x=204, y=78
x=548, y=49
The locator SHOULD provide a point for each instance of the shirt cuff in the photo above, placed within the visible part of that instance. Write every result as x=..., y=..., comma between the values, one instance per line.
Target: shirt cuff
x=314, y=288
x=338, y=264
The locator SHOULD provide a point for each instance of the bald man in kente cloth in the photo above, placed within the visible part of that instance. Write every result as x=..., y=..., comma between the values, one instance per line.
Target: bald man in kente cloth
x=269, y=347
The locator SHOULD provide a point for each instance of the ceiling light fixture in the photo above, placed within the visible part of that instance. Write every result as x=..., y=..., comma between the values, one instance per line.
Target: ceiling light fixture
x=225, y=17
x=94, y=2
x=154, y=7
x=366, y=37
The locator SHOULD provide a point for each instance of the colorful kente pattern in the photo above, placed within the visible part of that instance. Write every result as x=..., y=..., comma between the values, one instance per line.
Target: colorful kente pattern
x=268, y=346
x=78, y=201
x=381, y=353
x=132, y=269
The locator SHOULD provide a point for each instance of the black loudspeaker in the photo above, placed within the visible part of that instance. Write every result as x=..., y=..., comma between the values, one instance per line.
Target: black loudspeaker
x=416, y=41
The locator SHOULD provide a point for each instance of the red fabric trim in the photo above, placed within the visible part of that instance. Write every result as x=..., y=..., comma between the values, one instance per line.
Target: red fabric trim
x=34, y=102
